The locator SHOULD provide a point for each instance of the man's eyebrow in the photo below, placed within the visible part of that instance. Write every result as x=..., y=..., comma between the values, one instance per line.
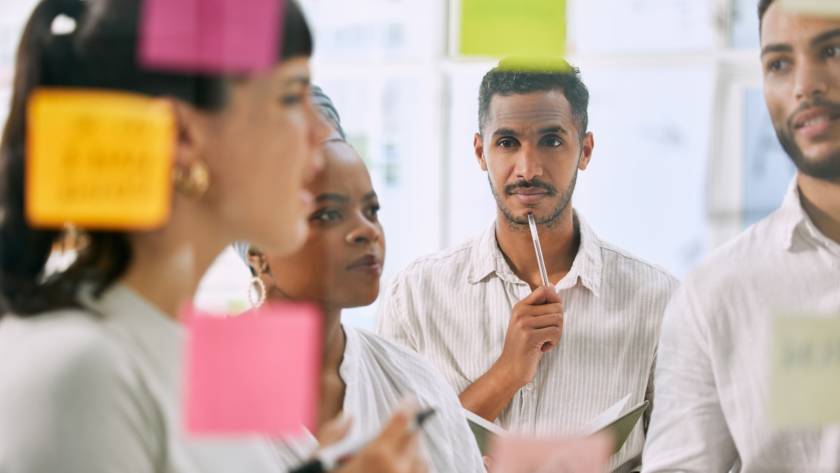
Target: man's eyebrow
x=825, y=36
x=554, y=129
x=776, y=48
x=505, y=132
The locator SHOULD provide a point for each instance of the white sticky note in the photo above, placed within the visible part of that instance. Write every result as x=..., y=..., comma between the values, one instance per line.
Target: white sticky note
x=805, y=371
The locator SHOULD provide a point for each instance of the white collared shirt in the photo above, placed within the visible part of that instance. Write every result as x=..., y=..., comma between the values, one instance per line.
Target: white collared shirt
x=99, y=391
x=454, y=308
x=713, y=369
x=378, y=374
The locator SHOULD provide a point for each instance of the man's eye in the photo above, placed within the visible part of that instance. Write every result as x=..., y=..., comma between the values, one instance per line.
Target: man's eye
x=552, y=141
x=507, y=143
x=831, y=51
x=777, y=65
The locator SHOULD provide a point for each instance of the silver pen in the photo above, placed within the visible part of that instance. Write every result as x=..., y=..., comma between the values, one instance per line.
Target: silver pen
x=538, y=249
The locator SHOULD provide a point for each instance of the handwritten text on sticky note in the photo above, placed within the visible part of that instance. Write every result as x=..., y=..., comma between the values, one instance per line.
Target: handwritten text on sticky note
x=256, y=373
x=98, y=159
x=805, y=377
x=210, y=35
x=523, y=28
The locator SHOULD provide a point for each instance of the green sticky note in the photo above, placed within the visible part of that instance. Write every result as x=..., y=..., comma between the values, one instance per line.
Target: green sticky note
x=524, y=28
x=805, y=376
x=824, y=8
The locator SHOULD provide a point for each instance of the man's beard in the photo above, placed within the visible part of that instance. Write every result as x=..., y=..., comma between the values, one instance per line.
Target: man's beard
x=827, y=169
x=552, y=218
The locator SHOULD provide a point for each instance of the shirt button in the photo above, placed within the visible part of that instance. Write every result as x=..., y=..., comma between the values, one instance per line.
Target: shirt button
x=529, y=387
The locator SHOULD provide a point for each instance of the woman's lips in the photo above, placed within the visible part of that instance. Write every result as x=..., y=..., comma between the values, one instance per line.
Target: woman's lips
x=369, y=264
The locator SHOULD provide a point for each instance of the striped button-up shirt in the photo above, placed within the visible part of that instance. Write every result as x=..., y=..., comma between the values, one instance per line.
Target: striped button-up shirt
x=454, y=308
x=712, y=378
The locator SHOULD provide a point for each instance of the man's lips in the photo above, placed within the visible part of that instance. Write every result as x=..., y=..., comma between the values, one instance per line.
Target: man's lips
x=815, y=121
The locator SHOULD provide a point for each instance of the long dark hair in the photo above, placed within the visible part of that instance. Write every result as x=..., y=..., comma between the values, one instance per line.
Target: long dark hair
x=100, y=53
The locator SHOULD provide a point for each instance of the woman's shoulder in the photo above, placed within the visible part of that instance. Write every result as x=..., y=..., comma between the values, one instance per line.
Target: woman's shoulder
x=59, y=350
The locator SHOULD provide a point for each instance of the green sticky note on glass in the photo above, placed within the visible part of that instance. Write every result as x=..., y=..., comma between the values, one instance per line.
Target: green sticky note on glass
x=523, y=28
x=823, y=8
x=805, y=373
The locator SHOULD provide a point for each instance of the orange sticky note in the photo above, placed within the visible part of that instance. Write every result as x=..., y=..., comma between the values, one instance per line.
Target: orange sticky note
x=256, y=373
x=512, y=454
x=98, y=159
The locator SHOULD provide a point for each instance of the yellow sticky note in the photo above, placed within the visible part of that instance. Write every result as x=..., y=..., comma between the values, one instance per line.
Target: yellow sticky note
x=805, y=376
x=826, y=8
x=98, y=159
x=522, y=28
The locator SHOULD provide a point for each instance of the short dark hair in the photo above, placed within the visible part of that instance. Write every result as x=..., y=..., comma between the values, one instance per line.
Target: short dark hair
x=507, y=80
x=763, y=5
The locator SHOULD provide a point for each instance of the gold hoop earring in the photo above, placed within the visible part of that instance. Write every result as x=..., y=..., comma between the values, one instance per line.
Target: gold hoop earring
x=194, y=181
x=256, y=285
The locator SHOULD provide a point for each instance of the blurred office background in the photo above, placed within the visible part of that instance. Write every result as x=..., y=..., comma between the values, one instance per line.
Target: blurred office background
x=685, y=154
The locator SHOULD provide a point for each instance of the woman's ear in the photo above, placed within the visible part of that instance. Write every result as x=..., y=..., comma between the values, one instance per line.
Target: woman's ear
x=258, y=262
x=191, y=174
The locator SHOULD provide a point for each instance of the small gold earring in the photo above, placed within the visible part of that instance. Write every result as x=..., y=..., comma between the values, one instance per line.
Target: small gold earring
x=194, y=181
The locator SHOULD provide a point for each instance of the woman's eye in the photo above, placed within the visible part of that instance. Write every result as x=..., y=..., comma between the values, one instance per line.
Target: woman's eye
x=291, y=99
x=373, y=212
x=326, y=216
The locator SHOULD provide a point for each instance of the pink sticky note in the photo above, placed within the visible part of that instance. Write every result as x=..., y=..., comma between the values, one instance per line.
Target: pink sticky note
x=512, y=454
x=210, y=35
x=256, y=373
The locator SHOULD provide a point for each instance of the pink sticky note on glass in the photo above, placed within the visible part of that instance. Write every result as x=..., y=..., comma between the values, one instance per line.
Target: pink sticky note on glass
x=513, y=454
x=210, y=35
x=256, y=373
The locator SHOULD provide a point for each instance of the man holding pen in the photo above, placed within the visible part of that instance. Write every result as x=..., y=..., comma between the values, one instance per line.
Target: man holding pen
x=536, y=360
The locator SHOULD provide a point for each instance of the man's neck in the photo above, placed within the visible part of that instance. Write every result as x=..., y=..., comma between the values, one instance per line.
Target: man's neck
x=560, y=242
x=821, y=201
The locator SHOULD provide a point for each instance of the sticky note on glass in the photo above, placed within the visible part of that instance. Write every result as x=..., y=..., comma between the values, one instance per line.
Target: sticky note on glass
x=522, y=28
x=210, y=35
x=826, y=8
x=512, y=454
x=805, y=373
x=98, y=159
x=256, y=373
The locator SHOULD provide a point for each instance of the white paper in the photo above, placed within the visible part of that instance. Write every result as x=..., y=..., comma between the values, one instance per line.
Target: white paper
x=607, y=417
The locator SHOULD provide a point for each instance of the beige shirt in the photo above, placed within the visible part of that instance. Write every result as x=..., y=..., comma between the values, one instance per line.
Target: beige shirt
x=713, y=370
x=99, y=391
x=454, y=308
x=378, y=374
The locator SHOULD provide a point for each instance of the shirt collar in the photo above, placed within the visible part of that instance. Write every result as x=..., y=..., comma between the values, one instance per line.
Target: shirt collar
x=797, y=228
x=487, y=259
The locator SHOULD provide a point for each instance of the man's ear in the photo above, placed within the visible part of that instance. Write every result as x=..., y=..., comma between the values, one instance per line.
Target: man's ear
x=587, y=145
x=478, y=147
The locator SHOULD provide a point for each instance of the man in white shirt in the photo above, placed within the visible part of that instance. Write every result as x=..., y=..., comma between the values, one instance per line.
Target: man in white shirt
x=713, y=372
x=536, y=360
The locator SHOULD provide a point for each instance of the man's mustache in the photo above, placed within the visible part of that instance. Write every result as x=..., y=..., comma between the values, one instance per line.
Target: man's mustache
x=818, y=102
x=532, y=184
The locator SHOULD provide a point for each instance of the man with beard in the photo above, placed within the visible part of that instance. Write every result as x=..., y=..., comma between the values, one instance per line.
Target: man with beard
x=536, y=360
x=712, y=380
